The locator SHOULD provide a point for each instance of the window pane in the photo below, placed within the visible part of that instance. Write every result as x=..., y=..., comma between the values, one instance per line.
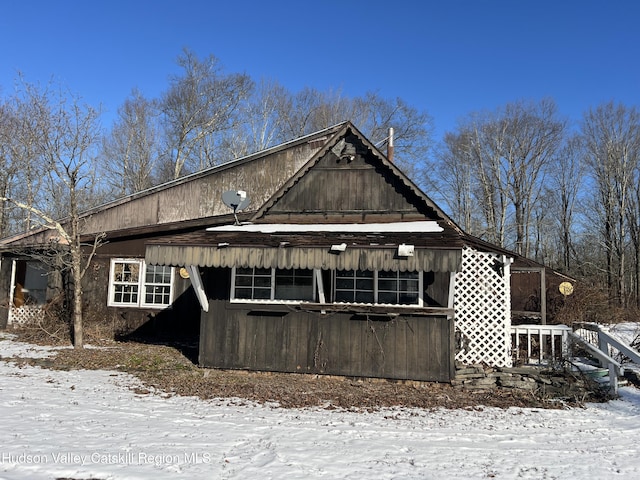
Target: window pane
x=354, y=286
x=364, y=284
x=126, y=272
x=387, y=297
x=243, y=281
x=157, y=286
x=398, y=287
x=364, y=297
x=253, y=283
x=262, y=281
x=344, y=283
x=125, y=282
x=126, y=294
x=344, y=297
x=262, y=293
x=408, y=298
x=388, y=285
x=294, y=284
x=244, y=293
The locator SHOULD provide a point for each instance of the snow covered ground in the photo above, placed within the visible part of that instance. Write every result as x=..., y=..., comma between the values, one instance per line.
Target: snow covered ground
x=90, y=424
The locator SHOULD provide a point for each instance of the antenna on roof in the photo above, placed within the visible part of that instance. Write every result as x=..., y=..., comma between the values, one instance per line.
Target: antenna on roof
x=236, y=199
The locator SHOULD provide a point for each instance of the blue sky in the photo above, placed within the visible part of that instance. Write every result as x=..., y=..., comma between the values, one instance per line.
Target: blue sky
x=449, y=58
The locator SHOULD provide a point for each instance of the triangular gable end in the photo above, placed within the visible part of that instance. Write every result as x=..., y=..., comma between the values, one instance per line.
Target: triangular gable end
x=349, y=181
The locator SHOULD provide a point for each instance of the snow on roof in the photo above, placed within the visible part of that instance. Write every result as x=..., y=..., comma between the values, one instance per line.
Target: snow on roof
x=394, y=227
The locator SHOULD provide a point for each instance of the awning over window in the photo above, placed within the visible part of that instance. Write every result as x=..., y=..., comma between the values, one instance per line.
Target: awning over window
x=352, y=258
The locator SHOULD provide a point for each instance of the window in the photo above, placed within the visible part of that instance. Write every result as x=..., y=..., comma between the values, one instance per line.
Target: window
x=400, y=288
x=273, y=284
x=354, y=286
x=133, y=283
x=377, y=287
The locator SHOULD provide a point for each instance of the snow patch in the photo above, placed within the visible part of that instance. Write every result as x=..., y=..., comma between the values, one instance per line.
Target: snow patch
x=91, y=424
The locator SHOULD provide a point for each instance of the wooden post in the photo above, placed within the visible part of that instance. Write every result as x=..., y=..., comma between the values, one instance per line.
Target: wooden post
x=613, y=378
x=543, y=296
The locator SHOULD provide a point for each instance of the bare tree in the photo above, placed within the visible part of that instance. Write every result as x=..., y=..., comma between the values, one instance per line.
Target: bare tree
x=198, y=104
x=259, y=125
x=7, y=164
x=67, y=133
x=456, y=182
x=310, y=110
x=611, y=135
x=566, y=180
x=533, y=135
x=508, y=152
x=131, y=151
x=21, y=175
x=476, y=148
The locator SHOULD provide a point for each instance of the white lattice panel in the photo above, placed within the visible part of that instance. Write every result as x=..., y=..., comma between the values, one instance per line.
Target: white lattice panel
x=25, y=315
x=482, y=306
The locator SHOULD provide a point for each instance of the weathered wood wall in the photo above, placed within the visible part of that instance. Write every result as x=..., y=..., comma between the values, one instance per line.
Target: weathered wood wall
x=337, y=190
x=237, y=336
x=200, y=196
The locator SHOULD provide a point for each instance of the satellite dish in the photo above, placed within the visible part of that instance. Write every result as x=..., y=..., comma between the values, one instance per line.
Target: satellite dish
x=237, y=200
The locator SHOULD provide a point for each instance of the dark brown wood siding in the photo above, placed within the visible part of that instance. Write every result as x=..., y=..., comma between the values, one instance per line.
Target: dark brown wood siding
x=239, y=336
x=339, y=190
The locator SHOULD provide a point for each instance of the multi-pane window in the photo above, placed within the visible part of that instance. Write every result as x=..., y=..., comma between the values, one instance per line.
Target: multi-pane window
x=273, y=284
x=399, y=288
x=133, y=283
x=253, y=283
x=354, y=286
x=377, y=287
x=349, y=286
x=157, y=285
x=294, y=284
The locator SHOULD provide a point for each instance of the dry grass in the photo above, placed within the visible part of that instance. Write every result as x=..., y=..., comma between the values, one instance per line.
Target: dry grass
x=165, y=369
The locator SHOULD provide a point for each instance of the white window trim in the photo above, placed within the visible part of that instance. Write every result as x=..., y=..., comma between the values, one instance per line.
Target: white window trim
x=141, y=286
x=376, y=292
x=318, y=289
x=272, y=299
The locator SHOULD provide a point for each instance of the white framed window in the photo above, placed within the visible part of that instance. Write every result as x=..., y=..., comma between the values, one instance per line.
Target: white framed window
x=272, y=284
x=377, y=287
x=133, y=283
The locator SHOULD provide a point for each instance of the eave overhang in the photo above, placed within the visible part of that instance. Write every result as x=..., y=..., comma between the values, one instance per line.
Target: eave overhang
x=327, y=249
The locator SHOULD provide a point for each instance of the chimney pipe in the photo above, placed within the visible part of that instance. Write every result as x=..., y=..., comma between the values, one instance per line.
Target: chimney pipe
x=390, y=146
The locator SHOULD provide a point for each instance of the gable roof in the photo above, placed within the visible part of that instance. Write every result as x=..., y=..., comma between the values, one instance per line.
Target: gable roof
x=342, y=139
x=293, y=245
x=196, y=198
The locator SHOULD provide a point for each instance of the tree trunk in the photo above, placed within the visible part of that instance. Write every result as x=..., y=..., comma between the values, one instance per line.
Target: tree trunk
x=78, y=340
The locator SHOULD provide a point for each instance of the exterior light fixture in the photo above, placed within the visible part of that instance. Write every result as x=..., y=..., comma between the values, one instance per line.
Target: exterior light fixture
x=341, y=247
x=405, y=250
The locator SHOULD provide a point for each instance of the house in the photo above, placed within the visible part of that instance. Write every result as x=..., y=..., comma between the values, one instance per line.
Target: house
x=315, y=256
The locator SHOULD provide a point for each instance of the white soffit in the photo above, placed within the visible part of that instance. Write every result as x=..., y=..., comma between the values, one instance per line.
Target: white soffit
x=395, y=227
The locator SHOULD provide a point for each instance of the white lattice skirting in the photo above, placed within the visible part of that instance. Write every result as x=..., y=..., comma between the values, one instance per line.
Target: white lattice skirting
x=25, y=315
x=482, y=304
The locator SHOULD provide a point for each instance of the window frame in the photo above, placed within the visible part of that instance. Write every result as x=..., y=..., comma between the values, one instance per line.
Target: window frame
x=141, y=284
x=272, y=287
x=375, y=277
x=376, y=289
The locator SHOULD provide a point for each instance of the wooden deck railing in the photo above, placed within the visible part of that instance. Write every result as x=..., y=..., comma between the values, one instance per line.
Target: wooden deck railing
x=540, y=343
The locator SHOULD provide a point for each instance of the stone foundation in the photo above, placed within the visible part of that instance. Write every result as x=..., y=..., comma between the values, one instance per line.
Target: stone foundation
x=541, y=381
